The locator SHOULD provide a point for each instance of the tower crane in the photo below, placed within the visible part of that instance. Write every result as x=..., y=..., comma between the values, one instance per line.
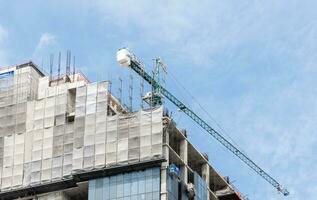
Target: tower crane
x=127, y=59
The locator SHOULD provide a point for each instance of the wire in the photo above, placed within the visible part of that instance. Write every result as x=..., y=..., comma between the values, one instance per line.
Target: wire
x=205, y=111
x=179, y=86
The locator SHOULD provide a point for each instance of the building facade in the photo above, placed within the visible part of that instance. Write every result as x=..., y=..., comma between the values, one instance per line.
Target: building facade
x=68, y=138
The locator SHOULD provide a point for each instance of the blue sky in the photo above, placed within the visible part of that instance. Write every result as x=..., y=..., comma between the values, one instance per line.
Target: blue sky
x=251, y=64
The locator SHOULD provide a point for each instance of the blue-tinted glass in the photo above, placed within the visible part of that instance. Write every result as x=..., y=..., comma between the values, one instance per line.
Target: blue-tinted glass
x=99, y=187
x=156, y=195
x=148, y=196
x=113, y=187
x=141, y=174
x=134, y=175
x=200, y=187
x=134, y=183
x=148, y=172
x=127, y=176
x=126, y=198
x=91, y=190
x=156, y=183
x=141, y=197
x=170, y=183
x=141, y=185
x=106, y=189
x=134, y=186
x=129, y=186
x=156, y=171
x=134, y=197
x=148, y=184
x=120, y=185
x=172, y=187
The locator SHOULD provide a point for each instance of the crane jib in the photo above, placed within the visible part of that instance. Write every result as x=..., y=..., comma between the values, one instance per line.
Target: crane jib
x=136, y=66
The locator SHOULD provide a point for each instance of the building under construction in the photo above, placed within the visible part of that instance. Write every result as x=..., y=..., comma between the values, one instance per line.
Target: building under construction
x=65, y=138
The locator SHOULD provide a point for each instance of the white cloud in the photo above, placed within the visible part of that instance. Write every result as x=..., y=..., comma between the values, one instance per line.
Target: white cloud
x=46, y=40
x=275, y=119
x=199, y=32
x=46, y=45
x=3, y=52
x=170, y=24
x=275, y=123
x=3, y=34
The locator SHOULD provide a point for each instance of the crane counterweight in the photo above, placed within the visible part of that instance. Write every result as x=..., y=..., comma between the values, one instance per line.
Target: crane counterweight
x=124, y=57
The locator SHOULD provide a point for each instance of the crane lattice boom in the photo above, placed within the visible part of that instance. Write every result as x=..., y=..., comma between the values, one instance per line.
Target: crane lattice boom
x=125, y=58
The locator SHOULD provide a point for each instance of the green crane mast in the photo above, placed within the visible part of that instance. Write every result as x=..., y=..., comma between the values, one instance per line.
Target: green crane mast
x=127, y=59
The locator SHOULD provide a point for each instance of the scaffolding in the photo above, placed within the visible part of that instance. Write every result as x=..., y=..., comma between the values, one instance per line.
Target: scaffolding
x=67, y=130
x=59, y=132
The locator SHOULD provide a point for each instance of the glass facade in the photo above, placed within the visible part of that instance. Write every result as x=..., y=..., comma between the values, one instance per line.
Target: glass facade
x=138, y=185
x=172, y=187
x=176, y=189
x=200, y=188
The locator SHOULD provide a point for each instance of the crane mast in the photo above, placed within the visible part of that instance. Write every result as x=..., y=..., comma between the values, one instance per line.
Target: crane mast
x=127, y=59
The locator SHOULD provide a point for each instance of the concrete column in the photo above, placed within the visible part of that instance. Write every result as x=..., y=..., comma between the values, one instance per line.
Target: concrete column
x=164, y=167
x=164, y=181
x=206, y=175
x=184, y=157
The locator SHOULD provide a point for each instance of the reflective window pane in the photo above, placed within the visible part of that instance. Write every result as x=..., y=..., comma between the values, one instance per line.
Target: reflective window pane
x=138, y=185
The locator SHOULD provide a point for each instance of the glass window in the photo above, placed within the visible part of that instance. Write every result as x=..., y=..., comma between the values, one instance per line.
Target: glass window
x=120, y=185
x=141, y=181
x=138, y=185
x=127, y=184
x=200, y=187
x=106, y=188
x=134, y=184
x=99, y=188
x=113, y=187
